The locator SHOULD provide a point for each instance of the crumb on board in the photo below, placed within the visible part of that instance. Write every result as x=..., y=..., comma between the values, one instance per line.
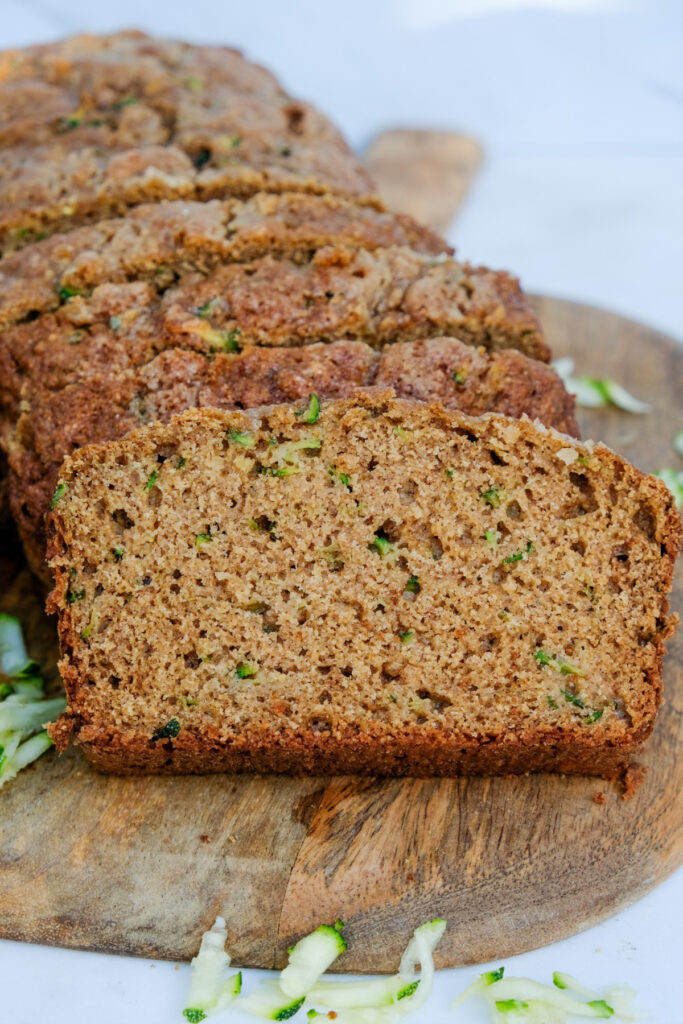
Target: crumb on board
x=633, y=777
x=599, y=798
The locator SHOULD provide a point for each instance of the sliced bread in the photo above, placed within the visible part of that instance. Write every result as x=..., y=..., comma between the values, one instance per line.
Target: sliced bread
x=156, y=239
x=374, y=586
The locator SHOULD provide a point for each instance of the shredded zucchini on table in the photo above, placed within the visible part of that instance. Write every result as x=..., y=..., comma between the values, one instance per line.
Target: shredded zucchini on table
x=523, y=1001
x=209, y=989
x=298, y=987
x=301, y=991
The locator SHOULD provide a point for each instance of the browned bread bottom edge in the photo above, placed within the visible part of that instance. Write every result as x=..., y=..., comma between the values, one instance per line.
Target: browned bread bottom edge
x=408, y=756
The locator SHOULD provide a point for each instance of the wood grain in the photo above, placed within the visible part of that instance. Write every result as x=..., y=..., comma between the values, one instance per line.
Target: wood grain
x=143, y=866
x=424, y=173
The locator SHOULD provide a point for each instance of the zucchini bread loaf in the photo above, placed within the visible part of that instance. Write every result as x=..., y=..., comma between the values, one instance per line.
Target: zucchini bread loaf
x=56, y=420
x=372, y=584
x=92, y=125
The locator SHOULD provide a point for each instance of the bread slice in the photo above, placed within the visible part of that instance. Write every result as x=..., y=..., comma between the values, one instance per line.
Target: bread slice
x=55, y=420
x=92, y=126
x=339, y=292
x=161, y=238
x=377, y=586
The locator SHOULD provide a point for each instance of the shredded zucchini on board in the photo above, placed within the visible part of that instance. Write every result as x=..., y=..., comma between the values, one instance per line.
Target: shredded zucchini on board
x=24, y=708
x=597, y=392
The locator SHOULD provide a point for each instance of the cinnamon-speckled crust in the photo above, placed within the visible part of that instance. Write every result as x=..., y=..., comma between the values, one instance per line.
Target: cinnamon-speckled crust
x=55, y=421
x=187, y=236
x=94, y=125
x=484, y=713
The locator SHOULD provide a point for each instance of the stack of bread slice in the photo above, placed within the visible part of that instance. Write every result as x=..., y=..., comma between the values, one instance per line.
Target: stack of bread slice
x=184, y=242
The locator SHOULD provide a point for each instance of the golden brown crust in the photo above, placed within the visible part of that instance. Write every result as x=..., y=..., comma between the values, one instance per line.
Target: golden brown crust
x=471, y=696
x=410, y=754
x=32, y=182
x=380, y=296
x=93, y=64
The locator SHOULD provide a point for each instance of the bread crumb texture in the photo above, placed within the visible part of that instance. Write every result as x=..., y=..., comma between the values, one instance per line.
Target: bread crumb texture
x=374, y=586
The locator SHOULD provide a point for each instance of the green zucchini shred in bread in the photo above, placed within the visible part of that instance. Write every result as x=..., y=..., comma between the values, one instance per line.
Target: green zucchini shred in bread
x=168, y=731
x=327, y=683
x=60, y=491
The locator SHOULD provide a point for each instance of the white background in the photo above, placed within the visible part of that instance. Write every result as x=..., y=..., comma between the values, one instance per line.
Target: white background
x=579, y=107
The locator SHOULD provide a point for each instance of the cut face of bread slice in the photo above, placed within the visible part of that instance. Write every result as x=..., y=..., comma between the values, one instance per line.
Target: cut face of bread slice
x=373, y=586
x=55, y=420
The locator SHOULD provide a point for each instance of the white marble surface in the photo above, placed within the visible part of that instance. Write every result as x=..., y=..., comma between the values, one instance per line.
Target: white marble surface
x=579, y=106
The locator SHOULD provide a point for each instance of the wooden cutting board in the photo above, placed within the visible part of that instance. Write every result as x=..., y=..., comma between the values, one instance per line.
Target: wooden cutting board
x=143, y=866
